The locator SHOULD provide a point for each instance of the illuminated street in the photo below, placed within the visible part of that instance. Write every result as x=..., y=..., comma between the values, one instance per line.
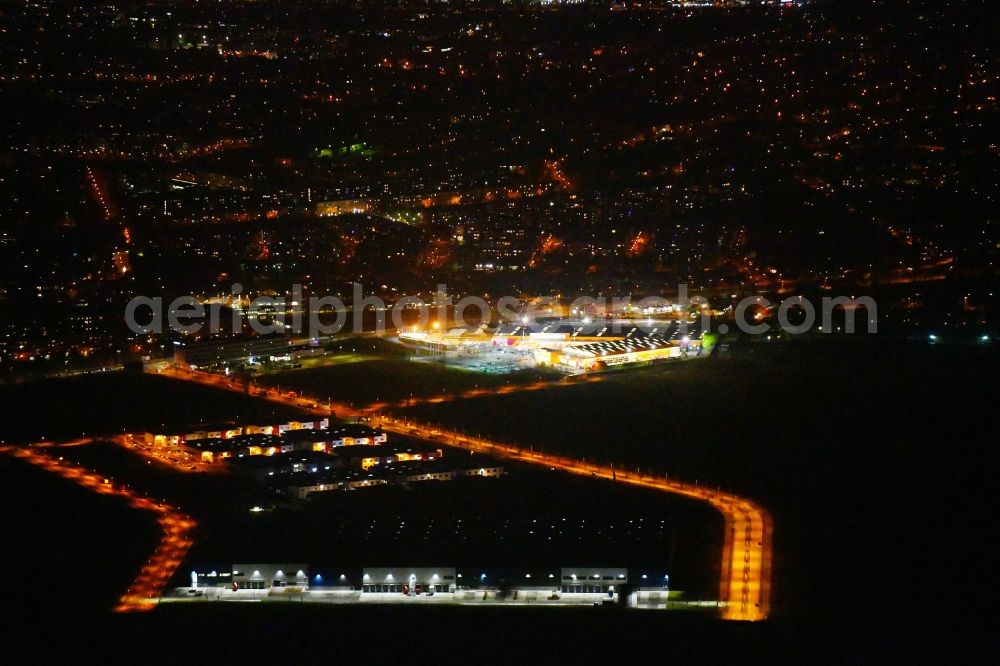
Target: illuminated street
x=746, y=558
x=148, y=586
x=178, y=461
x=685, y=305
x=745, y=585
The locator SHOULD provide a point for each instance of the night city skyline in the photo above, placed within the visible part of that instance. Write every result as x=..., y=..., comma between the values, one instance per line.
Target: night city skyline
x=669, y=323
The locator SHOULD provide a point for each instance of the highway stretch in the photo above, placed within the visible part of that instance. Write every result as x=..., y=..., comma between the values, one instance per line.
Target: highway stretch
x=745, y=580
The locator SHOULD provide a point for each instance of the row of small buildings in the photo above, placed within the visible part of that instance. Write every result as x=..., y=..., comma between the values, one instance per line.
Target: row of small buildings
x=300, y=458
x=604, y=582
x=392, y=472
x=215, y=443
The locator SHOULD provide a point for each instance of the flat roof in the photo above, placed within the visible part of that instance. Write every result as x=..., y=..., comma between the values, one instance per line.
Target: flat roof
x=237, y=442
x=618, y=347
x=230, y=340
x=354, y=430
x=288, y=458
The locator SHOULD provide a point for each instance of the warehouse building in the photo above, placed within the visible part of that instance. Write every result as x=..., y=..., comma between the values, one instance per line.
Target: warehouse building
x=270, y=576
x=568, y=585
x=407, y=581
x=592, y=580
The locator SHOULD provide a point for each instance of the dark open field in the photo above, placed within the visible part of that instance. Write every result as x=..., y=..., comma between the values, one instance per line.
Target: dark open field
x=368, y=381
x=530, y=518
x=108, y=403
x=865, y=452
x=65, y=548
x=191, y=633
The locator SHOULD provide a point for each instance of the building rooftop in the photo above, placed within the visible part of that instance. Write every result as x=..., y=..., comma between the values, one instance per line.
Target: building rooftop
x=353, y=430
x=238, y=442
x=615, y=347
x=280, y=460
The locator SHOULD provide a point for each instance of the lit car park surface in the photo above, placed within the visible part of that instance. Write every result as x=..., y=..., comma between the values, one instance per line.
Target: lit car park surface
x=745, y=585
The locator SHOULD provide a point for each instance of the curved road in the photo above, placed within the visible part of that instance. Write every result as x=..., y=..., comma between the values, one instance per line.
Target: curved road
x=148, y=586
x=745, y=581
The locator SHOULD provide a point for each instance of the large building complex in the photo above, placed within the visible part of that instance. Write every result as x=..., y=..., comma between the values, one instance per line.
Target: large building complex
x=573, y=345
x=199, y=354
x=300, y=458
x=586, y=585
x=266, y=576
x=601, y=355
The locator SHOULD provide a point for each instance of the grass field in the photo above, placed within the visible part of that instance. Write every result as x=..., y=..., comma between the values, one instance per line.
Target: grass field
x=386, y=632
x=386, y=380
x=535, y=519
x=848, y=444
x=66, y=549
x=871, y=456
x=107, y=403
x=529, y=518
